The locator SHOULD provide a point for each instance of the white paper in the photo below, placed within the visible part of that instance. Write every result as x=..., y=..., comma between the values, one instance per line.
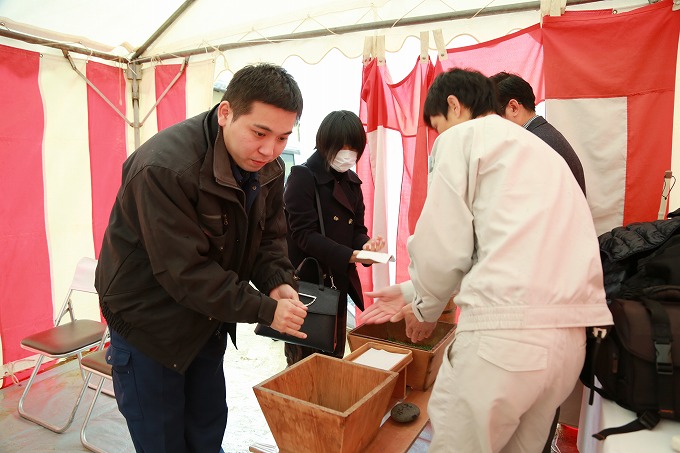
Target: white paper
x=379, y=358
x=378, y=257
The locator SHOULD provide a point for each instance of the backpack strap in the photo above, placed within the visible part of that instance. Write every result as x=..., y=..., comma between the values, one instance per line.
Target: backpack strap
x=647, y=420
x=662, y=337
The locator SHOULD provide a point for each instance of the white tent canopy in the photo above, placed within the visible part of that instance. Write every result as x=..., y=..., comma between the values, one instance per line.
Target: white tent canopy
x=268, y=31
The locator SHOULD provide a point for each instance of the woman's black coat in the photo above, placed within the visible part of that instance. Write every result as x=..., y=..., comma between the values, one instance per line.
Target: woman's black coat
x=342, y=204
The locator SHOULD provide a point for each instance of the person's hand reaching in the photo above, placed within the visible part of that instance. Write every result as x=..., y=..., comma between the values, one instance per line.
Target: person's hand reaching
x=416, y=330
x=388, y=303
x=375, y=244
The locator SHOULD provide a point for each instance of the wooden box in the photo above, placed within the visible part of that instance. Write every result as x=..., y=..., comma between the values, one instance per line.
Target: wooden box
x=400, y=367
x=422, y=371
x=325, y=404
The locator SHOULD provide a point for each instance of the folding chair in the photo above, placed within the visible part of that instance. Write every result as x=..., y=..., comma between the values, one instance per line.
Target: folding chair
x=94, y=364
x=65, y=340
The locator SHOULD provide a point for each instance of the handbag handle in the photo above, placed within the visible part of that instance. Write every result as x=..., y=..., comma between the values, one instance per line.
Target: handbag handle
x=318, y=270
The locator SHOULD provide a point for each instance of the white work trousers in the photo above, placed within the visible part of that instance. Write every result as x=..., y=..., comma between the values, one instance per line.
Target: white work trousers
x=497, y=391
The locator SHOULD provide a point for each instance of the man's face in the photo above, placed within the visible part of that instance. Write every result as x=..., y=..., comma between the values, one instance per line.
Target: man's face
x=256, y=138
x=440, y=123
x=456, y=114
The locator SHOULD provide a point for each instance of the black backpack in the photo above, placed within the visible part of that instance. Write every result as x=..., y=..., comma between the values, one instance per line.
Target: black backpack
x=634, y=360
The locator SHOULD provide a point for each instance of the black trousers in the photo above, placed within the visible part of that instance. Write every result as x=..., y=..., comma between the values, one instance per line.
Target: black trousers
x=167, y=412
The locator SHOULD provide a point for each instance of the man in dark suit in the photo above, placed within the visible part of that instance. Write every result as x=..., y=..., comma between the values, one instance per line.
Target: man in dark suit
x=518, y=104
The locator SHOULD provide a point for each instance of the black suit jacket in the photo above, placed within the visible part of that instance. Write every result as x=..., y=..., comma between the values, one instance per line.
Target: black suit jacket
x=547, y=132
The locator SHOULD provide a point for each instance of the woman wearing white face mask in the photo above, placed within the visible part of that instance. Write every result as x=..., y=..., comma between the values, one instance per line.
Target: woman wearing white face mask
x=340, y=141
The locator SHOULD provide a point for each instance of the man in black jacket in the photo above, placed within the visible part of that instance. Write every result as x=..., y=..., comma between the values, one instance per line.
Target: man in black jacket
x=518, y=104
x=198, y=217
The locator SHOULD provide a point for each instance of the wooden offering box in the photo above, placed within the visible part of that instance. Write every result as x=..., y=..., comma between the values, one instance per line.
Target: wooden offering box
x=427, y=355
x=325, y=404
x=400, y=367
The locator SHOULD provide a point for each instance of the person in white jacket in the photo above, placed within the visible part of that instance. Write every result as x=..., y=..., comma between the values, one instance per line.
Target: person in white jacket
x=506, y=226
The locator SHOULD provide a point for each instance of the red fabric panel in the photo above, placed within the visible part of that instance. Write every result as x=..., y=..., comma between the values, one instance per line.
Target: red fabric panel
x=399, y=107
x=173, y=107
x=412, y=92
x=373, y=113
x=377, y=108
x=520, y=53
x=25, y=291
x=107, y=143
x=634, y=56
x=649, y=154
x=611, y=56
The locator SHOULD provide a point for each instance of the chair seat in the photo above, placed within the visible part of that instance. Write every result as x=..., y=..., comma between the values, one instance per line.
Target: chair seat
x=66, y=338
x=96, y=362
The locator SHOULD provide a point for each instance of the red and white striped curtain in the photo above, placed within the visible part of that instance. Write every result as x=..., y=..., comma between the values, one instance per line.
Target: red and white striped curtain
x=62, y=146
x=609, y=84
x=610, y=87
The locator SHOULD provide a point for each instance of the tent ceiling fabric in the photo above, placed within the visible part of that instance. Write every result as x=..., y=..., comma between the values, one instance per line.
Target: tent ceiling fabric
x=121, y=28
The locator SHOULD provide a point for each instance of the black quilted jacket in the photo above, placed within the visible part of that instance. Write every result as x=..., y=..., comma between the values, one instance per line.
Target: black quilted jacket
x=623, y=248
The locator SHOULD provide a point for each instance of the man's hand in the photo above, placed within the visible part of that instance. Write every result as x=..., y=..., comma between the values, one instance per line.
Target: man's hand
x=415, y=330
x=284, y=291
x=388, y=303
x=289, y=316
x=290, y=312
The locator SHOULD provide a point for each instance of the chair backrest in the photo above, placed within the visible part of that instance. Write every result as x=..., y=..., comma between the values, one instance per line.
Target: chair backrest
x=83, y=281
x=83, y=278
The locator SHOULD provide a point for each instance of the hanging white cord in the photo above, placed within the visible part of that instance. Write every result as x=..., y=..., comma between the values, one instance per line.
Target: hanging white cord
x=667, y=186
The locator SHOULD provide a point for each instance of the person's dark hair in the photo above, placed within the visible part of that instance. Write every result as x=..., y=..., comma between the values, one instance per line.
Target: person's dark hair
x=512, y=86
x=337, y=130
x=266, y=83
x=472, y=88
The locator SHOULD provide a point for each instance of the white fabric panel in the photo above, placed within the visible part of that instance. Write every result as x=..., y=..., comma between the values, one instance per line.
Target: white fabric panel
x=377, y=141
x=597, y=130
x=395, y=170
x=333, y=84
x=66, y=170
x=674, y=196
x=199, y=87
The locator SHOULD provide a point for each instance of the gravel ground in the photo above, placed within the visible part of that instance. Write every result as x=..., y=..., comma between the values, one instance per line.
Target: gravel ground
x=255, y=360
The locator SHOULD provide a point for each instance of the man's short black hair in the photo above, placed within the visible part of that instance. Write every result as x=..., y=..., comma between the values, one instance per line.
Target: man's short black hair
x=511, y=86
x=266, y=83
x=473, y=90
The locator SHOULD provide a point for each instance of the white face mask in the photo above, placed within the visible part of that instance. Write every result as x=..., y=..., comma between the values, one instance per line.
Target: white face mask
x=344, y=160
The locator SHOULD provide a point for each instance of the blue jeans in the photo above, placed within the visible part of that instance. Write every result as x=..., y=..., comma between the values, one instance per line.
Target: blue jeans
x=169, y=412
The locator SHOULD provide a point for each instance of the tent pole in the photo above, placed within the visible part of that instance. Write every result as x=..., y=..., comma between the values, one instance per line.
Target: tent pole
x=134, y=73
x=59, y=45
x=162, y=29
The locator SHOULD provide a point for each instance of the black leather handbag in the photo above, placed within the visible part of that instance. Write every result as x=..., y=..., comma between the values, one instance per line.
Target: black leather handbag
x=322, y=313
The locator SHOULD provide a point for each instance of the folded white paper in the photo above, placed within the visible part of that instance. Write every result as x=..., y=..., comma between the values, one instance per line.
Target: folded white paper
x=378, y=257
x=379, y=358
